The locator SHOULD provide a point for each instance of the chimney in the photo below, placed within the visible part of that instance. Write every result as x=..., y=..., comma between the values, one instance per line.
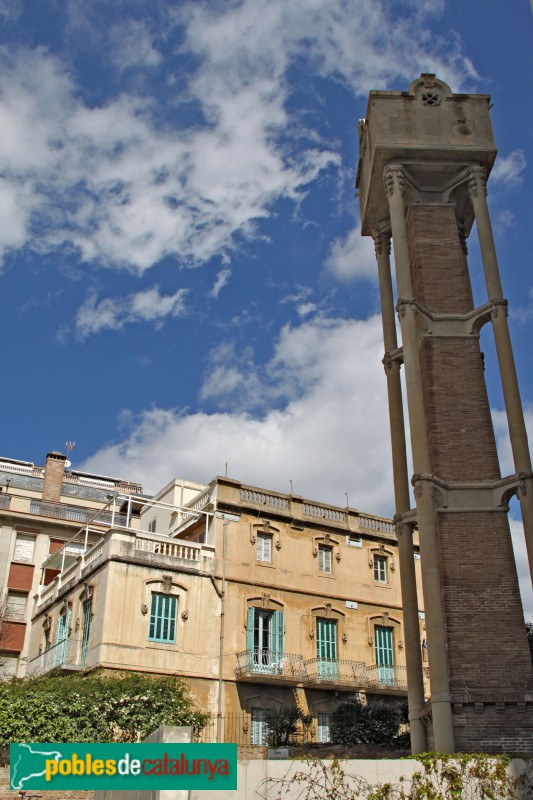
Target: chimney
x=53, y=476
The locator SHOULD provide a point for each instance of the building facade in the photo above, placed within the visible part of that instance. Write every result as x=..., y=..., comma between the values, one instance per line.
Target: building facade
x=257, y=599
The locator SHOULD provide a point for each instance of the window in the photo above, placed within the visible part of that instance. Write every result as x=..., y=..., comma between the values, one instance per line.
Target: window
x=263, y=547
x=383, y=644
x=24, y=547
x=264, y=640
x=152, y=525
x=324, y=558
x=259, y=727
x=380, y=569
x=326, y=648
x=16, y=605
x=87, y=613
x=62, y=635
x=322, y=721
x=163, y=618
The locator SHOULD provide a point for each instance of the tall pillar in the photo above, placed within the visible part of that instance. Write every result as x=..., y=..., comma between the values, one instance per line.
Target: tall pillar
x=511, y=393
x=434, y=147
x=431, y=582
x=413, y=656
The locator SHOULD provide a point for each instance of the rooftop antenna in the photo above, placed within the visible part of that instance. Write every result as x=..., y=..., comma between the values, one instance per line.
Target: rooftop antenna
x=226, y=470
x=291, y=486
x=347, y=501
x=69, y=447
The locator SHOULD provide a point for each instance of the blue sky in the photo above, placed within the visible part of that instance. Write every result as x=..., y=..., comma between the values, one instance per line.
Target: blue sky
x=183, y=284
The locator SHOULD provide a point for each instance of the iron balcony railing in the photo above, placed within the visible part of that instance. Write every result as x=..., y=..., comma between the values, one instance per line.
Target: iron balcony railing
x=387, y=677
x=75, y=513
x=338, y=671
x=355, y=673
x=270, y=664
x=68, y=653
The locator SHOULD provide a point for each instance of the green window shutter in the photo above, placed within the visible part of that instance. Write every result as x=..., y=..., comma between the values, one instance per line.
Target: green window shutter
x=250, y=621
x=384, y=646
x=277, y=622
x=163, y=618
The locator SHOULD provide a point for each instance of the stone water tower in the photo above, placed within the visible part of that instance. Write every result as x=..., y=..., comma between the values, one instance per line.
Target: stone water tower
x=425, y=157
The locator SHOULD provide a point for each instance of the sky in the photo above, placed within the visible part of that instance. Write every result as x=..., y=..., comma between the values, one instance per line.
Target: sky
x=184, y=290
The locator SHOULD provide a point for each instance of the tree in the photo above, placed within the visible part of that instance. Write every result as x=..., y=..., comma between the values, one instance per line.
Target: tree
x=93, y=708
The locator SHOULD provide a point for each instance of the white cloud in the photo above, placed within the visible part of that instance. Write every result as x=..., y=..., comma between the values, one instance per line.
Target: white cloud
x=220, y=281
x=96, y=315
x=132, y=45
x=328, y=433
x=117, y=188
x=508, y=170
x=352, y=258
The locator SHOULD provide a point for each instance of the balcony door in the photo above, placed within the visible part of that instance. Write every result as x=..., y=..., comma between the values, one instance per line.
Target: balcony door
x=383, y=638
x=264, y=640
x=63, y=632
x=326, y=648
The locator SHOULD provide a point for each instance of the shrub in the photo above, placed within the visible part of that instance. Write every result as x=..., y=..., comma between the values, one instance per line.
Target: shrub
x=282, y=724
x=373, y=723
x=92, y=708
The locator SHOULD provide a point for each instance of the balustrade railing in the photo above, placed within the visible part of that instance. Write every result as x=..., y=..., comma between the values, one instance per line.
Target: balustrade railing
x=374, y=524
x=264, y=499
x=189, y=551
x=324, y=512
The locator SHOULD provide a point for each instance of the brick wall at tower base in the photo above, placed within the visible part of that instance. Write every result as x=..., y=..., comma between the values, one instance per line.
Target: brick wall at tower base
x=494, y=728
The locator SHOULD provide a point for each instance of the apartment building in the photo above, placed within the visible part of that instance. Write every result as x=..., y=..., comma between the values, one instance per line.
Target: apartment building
x=257, y=599
x=43, y=510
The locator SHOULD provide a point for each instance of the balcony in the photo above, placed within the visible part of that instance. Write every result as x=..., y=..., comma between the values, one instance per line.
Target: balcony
x=76, y=513
x=355, y=676
x=387, y=680
x=66, y=656
x=151, y=549
x=264, y=666
x=5, y=500
x=330, y=673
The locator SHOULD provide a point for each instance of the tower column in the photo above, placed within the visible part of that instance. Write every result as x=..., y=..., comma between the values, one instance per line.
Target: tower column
x=511, y=392
x=431, y=581
x=413, y=659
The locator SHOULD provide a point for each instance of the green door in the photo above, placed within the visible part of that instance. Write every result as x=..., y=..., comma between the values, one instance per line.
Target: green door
x=384, y=655
x=326, y=648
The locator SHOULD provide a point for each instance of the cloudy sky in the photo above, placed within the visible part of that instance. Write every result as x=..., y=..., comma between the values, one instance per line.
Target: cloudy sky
x=183, y=286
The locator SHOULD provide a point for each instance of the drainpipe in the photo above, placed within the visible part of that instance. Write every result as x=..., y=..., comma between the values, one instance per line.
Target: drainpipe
x=222, y=594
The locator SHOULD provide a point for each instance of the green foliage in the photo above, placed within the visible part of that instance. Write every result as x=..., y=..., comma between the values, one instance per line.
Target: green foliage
x=458, y=776
x=283, y=723
x=444, y=777
x=92, y=708
x=373, y=723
